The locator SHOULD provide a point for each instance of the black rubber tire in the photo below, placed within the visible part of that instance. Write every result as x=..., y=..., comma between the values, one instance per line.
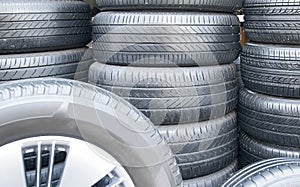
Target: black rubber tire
x=252, y=150
x=273, y=172
x=202, y=5
x=71, y=64
x=33, y=25
x=165, y=38
x=270, y=119
x=205, y=147
x=272, y=21
x=171, y=96
x=88, y=113
x=213, y=180
x=272, y=69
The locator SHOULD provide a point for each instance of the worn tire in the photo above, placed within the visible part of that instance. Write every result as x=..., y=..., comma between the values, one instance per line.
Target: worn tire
x=252, y=150
x=88, y=113
x=213, y=180
x=272, y=69
x=71, y=64
x=272, y=172
x=205, y=147
x=206, y=5
x=171, y=96
x=165, y=38
x=270, y=119
x=42, y=26
x=272, y=21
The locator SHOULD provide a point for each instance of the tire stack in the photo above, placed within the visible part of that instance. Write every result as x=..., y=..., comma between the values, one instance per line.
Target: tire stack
x=269, y=106
x=175, y=64
x=44, y=39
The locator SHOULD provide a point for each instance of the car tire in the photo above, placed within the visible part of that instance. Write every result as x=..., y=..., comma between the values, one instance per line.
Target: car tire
x=82, y=111
x=165, y=39
x=272, y=22
x=272, y=172
x=208, y=5
x=170, y=96
x=70, y=64
x=35, y=26
x=270, y=119
x=205, y=147
x=271, y=69
x=212, y=180
x=252, y=150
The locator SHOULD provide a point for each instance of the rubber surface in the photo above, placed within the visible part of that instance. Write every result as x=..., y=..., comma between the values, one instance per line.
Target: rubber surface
x=252, y=150
x=171, y=96
x=212, y=180
x=165, y=38
x=32, y=25
x=72, y=64
x=273, y=172
x=203, y=5
x=272, y=21
x=92, y=114
x=270, y=119
x=205, y=147
x=272, y=69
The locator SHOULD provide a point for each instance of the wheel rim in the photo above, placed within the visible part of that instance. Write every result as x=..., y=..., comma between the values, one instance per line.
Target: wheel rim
x=59, y=161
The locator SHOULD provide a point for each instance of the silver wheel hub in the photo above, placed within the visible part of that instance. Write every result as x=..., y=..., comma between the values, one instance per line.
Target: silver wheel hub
x=53, y=161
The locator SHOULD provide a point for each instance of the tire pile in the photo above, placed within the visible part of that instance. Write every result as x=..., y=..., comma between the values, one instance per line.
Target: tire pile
x=44, y=39
x=269, y=106
x=174, y=62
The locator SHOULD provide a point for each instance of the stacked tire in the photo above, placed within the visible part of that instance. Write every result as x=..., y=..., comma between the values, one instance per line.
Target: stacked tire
x=44, y=39
x=175, y=65
x=269, y=106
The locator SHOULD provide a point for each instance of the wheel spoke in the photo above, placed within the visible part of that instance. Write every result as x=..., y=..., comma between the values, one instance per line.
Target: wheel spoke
x=38, y=165
x=12, y=171
x=116, y=182
x=51, y=163
x=95, y=167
